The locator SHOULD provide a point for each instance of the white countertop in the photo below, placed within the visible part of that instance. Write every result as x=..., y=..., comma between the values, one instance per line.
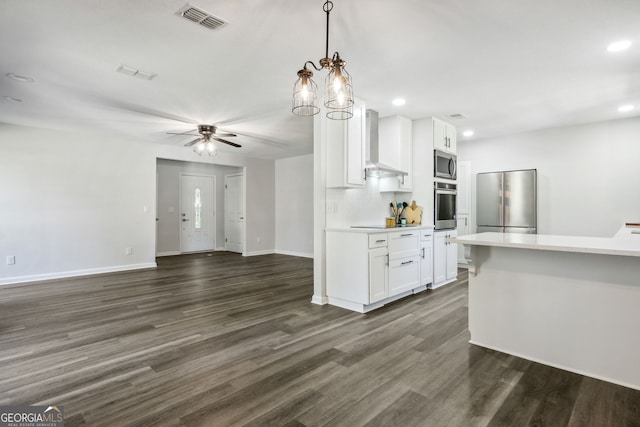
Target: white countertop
x=378, y=229
x=591, y=245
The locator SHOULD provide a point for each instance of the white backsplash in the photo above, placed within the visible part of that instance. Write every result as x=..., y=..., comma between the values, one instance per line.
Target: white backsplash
x=356, y=206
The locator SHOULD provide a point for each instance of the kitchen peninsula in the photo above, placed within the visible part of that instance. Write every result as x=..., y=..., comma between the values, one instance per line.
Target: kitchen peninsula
x=565, y=301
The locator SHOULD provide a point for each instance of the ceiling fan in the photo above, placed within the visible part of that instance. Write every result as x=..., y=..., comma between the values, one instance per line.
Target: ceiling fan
x=207, y=133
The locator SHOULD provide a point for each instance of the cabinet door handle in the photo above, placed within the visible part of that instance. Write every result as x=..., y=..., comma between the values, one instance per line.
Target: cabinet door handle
x=422, y=253
x=387, y=259
x=406, y=262
x=406, y=235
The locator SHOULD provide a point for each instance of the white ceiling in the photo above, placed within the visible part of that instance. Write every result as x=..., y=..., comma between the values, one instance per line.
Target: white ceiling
x=507, y=66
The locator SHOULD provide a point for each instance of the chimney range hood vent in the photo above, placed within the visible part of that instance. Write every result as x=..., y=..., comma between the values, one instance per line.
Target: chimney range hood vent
x=375, y=167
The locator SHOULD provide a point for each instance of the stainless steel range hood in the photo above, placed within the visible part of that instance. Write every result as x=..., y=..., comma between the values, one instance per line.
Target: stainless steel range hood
x=374, y=165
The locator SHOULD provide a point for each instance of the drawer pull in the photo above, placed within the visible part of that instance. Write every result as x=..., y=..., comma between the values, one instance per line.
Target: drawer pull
x=406, y=262
x=406, y=235
x=380, y=241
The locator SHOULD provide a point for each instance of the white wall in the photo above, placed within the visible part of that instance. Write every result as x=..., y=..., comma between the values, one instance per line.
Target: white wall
x=588, y=175
x=168, y=236
x=260, y=207
x=294, y=206
x=72, y=203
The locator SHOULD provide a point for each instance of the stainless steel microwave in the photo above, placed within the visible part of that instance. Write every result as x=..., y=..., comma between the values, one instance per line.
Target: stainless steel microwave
x=444, y=165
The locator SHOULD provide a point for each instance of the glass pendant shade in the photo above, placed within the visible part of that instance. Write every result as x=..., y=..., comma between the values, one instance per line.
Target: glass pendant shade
x=339, y=93
x=206, y=146
x=305, y=95
x=199, y=148
x=212, y=150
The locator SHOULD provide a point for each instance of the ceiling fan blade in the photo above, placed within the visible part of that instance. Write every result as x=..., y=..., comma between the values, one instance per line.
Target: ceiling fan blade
x=233, y=144
x=189, y=144
x=189, y=132
x=226, y=134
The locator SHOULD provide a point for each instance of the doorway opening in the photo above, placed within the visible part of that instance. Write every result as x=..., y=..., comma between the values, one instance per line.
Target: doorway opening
x=190, y=206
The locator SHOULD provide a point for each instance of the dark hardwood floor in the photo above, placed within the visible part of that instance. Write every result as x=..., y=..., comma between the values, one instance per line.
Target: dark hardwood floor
x=223, y=340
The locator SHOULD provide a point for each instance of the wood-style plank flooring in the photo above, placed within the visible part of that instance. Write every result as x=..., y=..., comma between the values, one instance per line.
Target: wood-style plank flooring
x=223, y=340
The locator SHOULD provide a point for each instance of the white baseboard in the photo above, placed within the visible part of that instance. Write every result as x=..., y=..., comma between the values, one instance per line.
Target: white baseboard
x=75, y=273
x=319, y=300
x=293, y=253
x=555, y=365
x=169, y=253
x=254, y=253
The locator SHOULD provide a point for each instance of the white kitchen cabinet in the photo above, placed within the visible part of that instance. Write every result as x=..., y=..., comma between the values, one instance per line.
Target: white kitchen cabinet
x=462, y=228
x=404, y=263
x=426, y=257
x=378, y=274
x=444, y=136
x=346, y=144
x=445, y=258
x=368, y=270
x=396, y=144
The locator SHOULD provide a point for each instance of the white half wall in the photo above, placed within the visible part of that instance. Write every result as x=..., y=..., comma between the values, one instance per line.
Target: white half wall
x=588, y=175
x=294, y=206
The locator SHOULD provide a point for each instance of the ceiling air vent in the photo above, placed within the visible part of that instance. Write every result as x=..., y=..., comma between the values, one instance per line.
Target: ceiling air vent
x=456, y=116
x=201, y=17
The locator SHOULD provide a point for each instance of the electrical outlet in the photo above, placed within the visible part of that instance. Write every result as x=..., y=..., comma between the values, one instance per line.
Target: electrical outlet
x=11, y=260
x=128, y=251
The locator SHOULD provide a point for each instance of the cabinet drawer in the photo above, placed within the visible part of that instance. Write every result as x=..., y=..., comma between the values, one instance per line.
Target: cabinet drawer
x=403, y=241
x=426, y=235
x=378, y=240
x=403, y=274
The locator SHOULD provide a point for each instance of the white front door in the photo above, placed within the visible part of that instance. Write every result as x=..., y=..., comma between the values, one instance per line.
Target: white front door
x=197, y=213
x=234, y=213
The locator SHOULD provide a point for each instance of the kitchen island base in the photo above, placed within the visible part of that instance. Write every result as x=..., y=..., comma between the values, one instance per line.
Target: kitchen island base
x=572, y=310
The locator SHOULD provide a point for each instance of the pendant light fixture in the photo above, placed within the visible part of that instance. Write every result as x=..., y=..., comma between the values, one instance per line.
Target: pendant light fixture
x=338, y=98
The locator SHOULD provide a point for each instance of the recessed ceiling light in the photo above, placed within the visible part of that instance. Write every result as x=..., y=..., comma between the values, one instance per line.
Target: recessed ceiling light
x=619, y=46
x=12, y=99
x=625, y=108
x=19, y=78
x=399, y=102
x=467, y=133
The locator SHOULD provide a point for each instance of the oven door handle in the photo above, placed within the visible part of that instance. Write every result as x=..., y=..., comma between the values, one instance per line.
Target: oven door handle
x=454, y=192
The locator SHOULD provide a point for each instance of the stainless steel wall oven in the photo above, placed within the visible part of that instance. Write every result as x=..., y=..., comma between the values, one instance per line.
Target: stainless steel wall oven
x=445, y=205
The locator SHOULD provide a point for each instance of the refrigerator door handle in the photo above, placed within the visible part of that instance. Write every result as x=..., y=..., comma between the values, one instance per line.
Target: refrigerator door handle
x=501, y=201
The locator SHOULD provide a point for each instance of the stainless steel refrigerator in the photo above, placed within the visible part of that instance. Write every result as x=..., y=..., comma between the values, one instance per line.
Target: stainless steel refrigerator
x=506, y=202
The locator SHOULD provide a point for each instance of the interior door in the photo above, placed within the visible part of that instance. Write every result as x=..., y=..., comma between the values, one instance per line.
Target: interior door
x=197, y=213
x=234, y=213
